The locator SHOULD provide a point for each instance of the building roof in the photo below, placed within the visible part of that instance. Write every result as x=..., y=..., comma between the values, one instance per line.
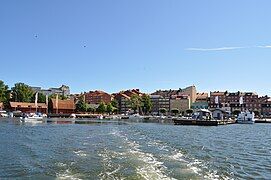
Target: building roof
x=203, y=95
x=218, y=93
x=27, y=105
x=64, y=104
x=97, y=93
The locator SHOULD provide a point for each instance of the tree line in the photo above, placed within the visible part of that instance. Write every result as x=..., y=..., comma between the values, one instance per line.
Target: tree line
x=21, y=92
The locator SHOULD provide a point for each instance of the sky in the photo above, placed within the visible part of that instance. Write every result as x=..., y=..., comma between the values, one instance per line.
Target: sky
x=113, y=45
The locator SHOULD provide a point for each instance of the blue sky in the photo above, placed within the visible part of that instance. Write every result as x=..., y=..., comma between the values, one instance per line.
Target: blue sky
x=147, y=44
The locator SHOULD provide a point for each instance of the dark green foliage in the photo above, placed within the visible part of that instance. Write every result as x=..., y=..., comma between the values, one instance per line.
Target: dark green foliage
x=22, y=93
x=146, y=103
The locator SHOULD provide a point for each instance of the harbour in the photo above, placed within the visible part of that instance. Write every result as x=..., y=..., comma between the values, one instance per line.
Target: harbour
x=133, y=150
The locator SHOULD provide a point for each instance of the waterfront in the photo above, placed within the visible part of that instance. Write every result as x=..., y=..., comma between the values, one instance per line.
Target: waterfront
x=134, y=151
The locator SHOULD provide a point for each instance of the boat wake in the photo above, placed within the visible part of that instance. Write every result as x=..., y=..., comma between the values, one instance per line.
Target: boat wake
x=154, y=159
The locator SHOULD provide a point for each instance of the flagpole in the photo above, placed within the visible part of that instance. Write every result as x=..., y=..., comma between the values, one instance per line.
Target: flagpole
x=47, y=104
x=36, y=102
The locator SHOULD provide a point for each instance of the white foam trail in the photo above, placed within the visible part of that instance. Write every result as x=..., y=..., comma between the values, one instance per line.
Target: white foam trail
x=149, y=166
x=67, y=174
x=80, y=153
x=110, y=170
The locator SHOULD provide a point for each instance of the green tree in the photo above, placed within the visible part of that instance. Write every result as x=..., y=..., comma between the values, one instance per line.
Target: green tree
x=136, y=103
x=22, y=93
x=4, y=93
x=175, y=111
x=41, y=98
x=115, y=103
x=109, y=108
x=146, y=103
x=81, y=106
x=162, y=110
x=60, y=97
x=101, y=108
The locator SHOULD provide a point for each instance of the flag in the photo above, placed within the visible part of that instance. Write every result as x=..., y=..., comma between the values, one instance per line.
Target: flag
x=241, y=100
x=36, y=100
x=216, y=100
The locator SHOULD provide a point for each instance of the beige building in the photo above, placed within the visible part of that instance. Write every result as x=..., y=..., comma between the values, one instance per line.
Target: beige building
x=182, y=103
x=190, y=91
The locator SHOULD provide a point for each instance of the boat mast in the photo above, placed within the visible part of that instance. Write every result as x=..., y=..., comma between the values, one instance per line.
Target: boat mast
x=36, y=102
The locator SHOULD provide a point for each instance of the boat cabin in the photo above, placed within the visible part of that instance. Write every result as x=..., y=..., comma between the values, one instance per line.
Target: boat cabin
x=202, y=114
x=220, y=114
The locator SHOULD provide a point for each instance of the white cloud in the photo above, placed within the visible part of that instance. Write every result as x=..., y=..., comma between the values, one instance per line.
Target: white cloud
x=269, y=46
x=215, y=49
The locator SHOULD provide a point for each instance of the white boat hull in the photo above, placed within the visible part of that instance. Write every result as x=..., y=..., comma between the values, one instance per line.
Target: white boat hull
x=245, y=122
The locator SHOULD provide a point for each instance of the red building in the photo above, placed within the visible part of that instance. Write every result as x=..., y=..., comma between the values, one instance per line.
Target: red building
x=96, y=97
x=28, y=107
x=62, y=107
x=265, y=106
x=123, y=99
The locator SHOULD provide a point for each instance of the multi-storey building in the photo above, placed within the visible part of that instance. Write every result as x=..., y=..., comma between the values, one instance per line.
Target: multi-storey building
x=202, y=101
x=159, y=102
x=182, y=103
x=96, y=97
x=265, y=102
x=123, y=99
x=190, y=91
x=63, y=90
x=218, y=100
x=250, y=101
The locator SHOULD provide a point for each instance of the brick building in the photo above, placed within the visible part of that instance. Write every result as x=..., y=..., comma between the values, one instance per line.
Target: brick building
x=123, y=99
x=62, y=107
x=265, y=106
x=250, y=101
x=190, y=91
x=222, y=101
x=159, y=102
x=96, y=97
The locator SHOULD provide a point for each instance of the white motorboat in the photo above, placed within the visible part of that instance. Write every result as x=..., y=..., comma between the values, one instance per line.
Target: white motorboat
x=246, y=117
x=3, y=114
x=31, y=118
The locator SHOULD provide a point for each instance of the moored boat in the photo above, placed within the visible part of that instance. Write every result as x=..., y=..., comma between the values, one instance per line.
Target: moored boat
x=202, y=117
x=246, y=117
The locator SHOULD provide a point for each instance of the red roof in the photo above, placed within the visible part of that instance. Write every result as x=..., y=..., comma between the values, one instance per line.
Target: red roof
x=64, y=104
x=27, y=105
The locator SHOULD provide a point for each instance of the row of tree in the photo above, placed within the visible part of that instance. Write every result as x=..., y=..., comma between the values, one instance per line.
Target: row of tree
x=176, y=111
x=109, y=108
x=24, y=93
x=141, y=104
x=21, y=93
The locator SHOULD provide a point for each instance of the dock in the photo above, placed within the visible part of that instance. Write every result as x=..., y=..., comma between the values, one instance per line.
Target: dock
x=194, y=122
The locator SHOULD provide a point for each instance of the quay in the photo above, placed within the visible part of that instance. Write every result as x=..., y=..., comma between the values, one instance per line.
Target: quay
x=194, y=122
